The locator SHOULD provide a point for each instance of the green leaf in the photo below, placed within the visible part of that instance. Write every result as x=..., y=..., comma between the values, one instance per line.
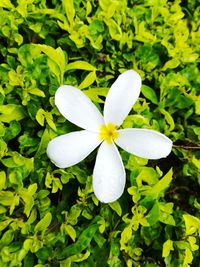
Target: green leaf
x=18, y=38
x=12, y=131
x=172, y=64
x=54, y=69
x=149, y=93
x=6, y=4
x=40, y=116
x=27, y=196
x=36, y=91
x=75, y=258
x=46, y=137
x=192, y=240
x=167, y=219
x=49, y=119
x=89, y=79
x=116, y=207
x=44, y=223
x=11, y=112
x=74, y=213
x=56, y=185
x=15, y=78
x=126, y=235
x=148, y=175
x=99, y=239
x=197, y=104
x=82, y=242
x=3, y=148
x=15, y=178
x=134, y=192
x=69, y=10
x=94, y=94
x=56, y=55
x=161, y=185
x=80, y=65
x=192, y=224
x=114, y=29
x=2, y=180
x=56, y=58
x=5, y=223
x=167, y=247
x=7, y=238
x=168, y=119
x=153, y=215
x=10, y=199
x=188, y=257
x=6, y=198
x=70, y=231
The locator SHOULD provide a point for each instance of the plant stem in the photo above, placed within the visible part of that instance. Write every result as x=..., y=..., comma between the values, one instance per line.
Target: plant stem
x=186, y=147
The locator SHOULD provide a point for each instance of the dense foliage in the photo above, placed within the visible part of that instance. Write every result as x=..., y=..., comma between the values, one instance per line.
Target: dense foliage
x=50, y=216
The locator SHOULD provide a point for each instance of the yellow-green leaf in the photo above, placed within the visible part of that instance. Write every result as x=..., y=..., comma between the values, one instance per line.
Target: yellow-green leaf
x=69, y=9
x=149, y=93
x=40, y=116
x=11, y=112
x=171, y=64
x=70, y=231
x=53, y=66
x=167, y=247
x=168, y=119
x=80, y=65
x=44, y=223
x=6, y=4
x=116, y=207
x=49, y=119
x=56, y=55
x=188, y=257
x=114, y=29
x=2, y=180
x=36, y=91
x=15, y=78
x=32, y=189
x=56, y=185
x=89, y=79
x=74, y=258
x=192, y=224
x=125, y=236
x=192, y=240
x=161, y=184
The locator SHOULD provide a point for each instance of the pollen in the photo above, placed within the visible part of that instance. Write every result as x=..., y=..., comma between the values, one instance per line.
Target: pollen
x=108, y=132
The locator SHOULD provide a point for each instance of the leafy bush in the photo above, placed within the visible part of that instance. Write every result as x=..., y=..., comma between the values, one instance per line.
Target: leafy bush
x=50, y=216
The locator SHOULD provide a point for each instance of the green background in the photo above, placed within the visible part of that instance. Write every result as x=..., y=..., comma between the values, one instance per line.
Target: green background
x=50, y=216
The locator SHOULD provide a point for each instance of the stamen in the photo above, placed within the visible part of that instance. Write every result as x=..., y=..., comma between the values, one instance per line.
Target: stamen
x=108, y=133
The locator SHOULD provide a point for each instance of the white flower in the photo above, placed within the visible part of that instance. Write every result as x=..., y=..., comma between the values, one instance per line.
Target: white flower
x=69, y=149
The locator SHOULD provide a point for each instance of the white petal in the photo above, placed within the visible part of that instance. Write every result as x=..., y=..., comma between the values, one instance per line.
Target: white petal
x=122, y=95
x=69, y=149
x=109, y=174
x=144, y=143
x=76, y=107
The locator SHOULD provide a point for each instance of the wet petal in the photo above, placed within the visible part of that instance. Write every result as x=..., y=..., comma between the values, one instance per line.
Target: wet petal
x=76, y=107
x=144, y=143
x=69, y=149
x=121, y=97
x=109, y=174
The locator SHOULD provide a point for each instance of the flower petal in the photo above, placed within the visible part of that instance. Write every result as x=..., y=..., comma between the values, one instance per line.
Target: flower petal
x=109, y=174
x=144, y=143
x=76, y=107
x=122, y=95
x=69, y=149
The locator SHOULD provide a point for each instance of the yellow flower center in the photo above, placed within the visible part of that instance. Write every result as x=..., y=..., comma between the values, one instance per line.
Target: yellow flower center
x=108, y=132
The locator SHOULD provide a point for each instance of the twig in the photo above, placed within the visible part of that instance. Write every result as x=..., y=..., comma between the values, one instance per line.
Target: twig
x=186, y=147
